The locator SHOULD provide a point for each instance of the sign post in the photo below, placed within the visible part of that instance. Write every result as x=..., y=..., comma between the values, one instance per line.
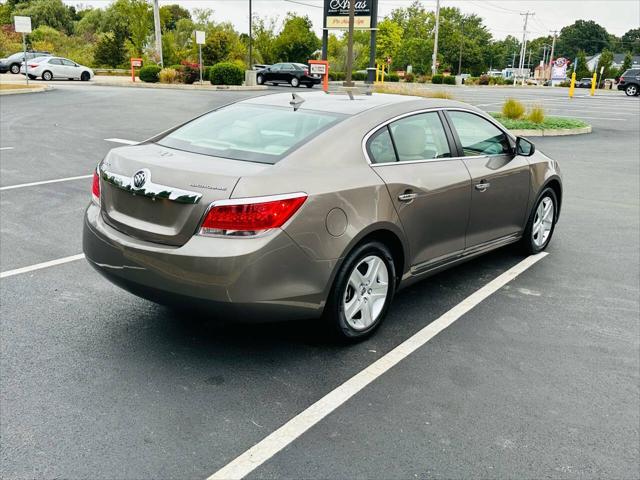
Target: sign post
x=23, y=25
x=200, y=41
x=320, y=67
x=135, y=63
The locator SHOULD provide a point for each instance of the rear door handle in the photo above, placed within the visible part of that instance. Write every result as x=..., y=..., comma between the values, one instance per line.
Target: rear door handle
x=407, y=197
x=482, y=186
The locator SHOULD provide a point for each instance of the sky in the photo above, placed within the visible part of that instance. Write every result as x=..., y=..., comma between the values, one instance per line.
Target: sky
x=502, y=17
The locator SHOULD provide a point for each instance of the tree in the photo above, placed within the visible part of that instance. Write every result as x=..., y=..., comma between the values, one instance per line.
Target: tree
x=631, y=41
x=222, y=44
x=626, y=64
x=582, y=71
x=605, y=62
x=584, y=35
x=135, y=17
x=170, y=15
x=388, y=39
x=415, y=52
x=501, y=52
x=52, y=13
x=264, y=40
x=110, y=50
x=297, y=41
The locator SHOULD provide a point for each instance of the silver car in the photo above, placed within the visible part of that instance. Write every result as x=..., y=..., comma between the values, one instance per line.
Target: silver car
x=52, y=68
x=316, y=207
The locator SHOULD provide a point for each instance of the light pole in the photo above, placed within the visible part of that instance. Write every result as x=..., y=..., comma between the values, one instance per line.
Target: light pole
x=434, y=60
x=461, y=44
x=250, y=36
x=158, y=34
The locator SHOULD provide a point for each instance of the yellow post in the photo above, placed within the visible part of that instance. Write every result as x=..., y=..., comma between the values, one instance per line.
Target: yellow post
x=383, y=73
x=377, y=72
x=573, y=84
x=594, y=83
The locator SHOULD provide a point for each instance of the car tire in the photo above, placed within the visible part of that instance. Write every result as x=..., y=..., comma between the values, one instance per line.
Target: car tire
x=541, y=223
x=260, y=79
x=631, y=90
x=295, y=82
x=32, y=77
x=85, y=76
x=15, y=68
x=372, y=290
x=47, y=75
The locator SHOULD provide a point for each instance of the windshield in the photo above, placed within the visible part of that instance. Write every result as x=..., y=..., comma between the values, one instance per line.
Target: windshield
x=253, y=133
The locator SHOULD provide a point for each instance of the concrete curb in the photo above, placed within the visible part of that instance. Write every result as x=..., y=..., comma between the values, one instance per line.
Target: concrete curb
x=181, y=87
x=38, y=89
x=552, y=132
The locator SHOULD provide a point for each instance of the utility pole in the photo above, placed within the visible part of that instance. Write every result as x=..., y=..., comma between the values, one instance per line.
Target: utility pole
x=523, y=47
x=553, y=48
x=156, y=24
x=250, y=36
x=434, y=68
x=352, y=20
x=461, y=44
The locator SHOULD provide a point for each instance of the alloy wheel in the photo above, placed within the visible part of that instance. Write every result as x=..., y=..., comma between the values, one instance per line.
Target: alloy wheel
x=15, y=69
x=543, y=222
x=631, y=90
x=366, y=292
x=295, y=82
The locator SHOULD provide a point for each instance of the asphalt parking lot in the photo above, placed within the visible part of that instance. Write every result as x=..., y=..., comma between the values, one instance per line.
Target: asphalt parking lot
x=540, y=379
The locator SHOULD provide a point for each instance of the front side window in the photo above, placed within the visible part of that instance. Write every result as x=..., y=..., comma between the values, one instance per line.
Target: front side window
x=68, y=63
x=479, y=136
x=276, y=68
x=254, y=133
x=420, y=137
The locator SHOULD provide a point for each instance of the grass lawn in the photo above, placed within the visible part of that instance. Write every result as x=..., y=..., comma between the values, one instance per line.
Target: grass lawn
x=549, y=123
x=13, y=86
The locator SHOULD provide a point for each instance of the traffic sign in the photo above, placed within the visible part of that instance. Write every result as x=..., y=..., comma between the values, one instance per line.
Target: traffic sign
x=23, y=24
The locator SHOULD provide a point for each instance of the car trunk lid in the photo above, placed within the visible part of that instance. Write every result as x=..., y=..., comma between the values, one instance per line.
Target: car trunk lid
x=160, y=194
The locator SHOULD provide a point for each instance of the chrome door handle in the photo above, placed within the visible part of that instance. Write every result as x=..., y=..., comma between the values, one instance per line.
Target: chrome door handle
x=407, y=197
x=481, y=187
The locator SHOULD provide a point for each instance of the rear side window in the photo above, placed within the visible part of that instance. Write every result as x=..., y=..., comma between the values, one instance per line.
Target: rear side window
x=631, y=73
x=478, y=136
x=253, y=133
x=381, y=147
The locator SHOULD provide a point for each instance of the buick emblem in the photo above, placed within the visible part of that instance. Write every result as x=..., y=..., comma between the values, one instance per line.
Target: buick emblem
x=139, y=179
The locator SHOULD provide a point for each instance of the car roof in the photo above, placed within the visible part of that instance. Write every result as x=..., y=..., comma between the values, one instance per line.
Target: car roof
x=342, y=104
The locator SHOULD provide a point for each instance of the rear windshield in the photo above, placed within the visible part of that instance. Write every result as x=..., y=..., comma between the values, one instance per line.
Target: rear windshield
x=632, y=72
x=253, y=133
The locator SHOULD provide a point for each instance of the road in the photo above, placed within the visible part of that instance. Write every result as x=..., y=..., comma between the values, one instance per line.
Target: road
x=541, y=379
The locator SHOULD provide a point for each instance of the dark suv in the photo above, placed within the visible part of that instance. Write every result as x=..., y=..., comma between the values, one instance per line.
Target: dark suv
x=630, y=82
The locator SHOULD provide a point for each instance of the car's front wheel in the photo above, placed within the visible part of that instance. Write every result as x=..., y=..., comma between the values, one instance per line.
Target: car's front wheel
x=362, y=291
x=295, y=82
x=47, y=75
x=85, y=76
x=542, y=222
x=14, y=68
x=631, y=90
x=260, y=79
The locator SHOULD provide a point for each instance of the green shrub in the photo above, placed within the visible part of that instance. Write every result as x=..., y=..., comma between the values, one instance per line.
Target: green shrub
x=449, y=80
x=168, y=75
x=409, y=77
x=392, y=77
x=513, y=109
x=536, y=114
x=483, y=80
x=437, y=79
x=336, y=76
x=471, y=81
x=150, y=74
x=226, y=73
x=359, y=76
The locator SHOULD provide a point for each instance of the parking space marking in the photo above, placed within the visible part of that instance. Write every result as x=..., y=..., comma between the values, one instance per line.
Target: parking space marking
x=287, y=433
x=38, y=266
x=6, y=148
x=44, y=182
x=121, y=140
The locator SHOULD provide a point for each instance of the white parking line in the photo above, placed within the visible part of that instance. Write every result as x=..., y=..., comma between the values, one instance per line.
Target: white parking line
x=287, y=433
x=6, y=148
x=38, y=266
x=121, y=140
x=44, y=182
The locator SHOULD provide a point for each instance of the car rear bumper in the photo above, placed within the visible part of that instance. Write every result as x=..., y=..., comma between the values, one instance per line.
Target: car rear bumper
x=311, y=80
x=266, y=278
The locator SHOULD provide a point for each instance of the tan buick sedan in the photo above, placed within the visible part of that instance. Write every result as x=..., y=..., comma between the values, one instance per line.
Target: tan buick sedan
x=320, y=206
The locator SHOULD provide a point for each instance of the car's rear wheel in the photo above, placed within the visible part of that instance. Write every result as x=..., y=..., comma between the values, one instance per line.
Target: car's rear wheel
x=14, y=68
x=362, y=291
x=85, y=76
x=47, y=75
x=631, y=90
x=542, y=222
x=260, y=79
x=295, y=82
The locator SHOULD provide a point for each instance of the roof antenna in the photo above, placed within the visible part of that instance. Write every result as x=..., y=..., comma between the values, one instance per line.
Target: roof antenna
x=296, y=101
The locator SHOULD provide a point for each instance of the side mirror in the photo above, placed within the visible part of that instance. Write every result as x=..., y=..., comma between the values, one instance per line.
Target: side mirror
x=524, y=147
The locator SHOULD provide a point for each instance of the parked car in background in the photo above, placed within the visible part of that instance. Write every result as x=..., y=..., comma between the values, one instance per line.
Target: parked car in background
x=630, y=82
x=50, y=68
x=259, y=66
x=319, y=206
x=12, y=62
x=584, y=83
x=295, y=74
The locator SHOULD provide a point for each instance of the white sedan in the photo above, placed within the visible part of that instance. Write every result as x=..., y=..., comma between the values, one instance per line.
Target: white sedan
x=50, y=68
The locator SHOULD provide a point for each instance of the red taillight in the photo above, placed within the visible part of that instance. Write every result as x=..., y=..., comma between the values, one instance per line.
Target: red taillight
x=33, y=65
x=250, y=216
x=95, y=188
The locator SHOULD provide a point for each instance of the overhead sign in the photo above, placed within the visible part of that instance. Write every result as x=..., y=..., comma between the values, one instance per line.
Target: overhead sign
x=23, y=24
x=336, y=13
x=199, y=37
